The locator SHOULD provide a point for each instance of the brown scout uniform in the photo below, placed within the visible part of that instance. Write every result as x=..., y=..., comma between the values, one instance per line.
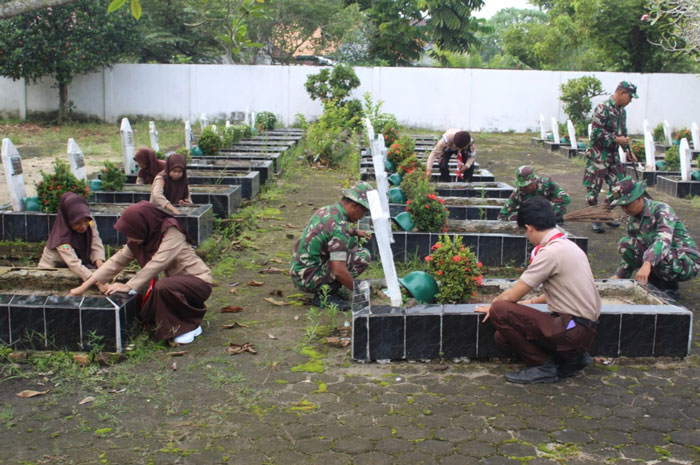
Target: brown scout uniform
x=64, y=255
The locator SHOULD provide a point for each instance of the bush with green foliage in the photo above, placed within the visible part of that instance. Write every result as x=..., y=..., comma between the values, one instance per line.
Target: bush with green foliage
x=328, y=140
x=409, y=165
x=637, y=149
x=391, y=133
x=683, y=133
x=401, y=149
x=659, y=135
x=53, y=186
x=576, y=95
x=456, y=269
x=113, y=178
x=428, y=212
x=373, y=112
x=209, y=142
x=673, y=159
x=334, y=85
x=235, y=133
x=415, y=183
x=265, y=120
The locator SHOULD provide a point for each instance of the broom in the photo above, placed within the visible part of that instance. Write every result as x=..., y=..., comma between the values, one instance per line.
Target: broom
x=595, y=214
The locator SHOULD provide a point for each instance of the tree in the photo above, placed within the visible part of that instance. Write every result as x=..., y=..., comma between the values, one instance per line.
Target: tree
x=491, y=40
x=63, y=42
x=682, y=19
x=576, y=94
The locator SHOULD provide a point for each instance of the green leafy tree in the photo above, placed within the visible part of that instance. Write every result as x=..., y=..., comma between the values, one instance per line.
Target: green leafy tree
x=576, y=95
x=63, y=42
x=334, y=85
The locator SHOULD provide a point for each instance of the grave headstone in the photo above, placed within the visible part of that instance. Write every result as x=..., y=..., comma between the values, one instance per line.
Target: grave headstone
x=127, y=138
x=572, y=134
x=686, y=157
x=189, y=136
x=153, y=133
x=252, y=120
x=246, y=121
x=543, y=132
x=695, y=133
x=76, y=160
x=203, y=121
x=228, y=124
x=622, y=153
x=645, y=126
x=590, y=131
x=667, y=133
x=370, y=129
x=650, y=151
x=12, y=164
x=382, y=233
x=215, y=129
x=555, y=131
x=380, y=175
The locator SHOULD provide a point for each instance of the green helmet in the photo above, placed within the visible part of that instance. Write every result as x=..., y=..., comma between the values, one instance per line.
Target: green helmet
x=396, y=195
x=524, y=176
x=196, y=151
x=626, y=191
x=395, y=179
x=358, y=194
x=421, y=285
x=389, y=166
x=405, y=221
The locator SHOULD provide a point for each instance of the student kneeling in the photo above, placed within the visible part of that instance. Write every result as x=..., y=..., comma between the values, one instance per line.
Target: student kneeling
x=552, y=345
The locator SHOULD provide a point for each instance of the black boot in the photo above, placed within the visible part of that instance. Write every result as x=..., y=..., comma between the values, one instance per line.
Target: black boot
x=613, y=224
x=598, y=227
x=570, y=366
x=546, y=373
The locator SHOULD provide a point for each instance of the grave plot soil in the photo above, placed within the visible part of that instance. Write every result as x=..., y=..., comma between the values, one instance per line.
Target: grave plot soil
x=296, y=402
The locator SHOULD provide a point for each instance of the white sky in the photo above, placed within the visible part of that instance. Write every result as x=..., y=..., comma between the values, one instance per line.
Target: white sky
x=491, y=7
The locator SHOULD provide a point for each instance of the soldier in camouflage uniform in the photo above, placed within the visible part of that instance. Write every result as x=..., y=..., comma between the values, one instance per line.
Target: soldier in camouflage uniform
x=609, y=132
x=658, y=244
x=328, y=251
x=528, y=185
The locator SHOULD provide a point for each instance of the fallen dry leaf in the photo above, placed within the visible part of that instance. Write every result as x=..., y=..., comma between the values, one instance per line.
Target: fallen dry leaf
x=231, y=309
x=290, y=226
x=177, y=353
x=338, y=341
x=296, y=317
x=276, y=260
x=235, y=349
x=271, y=336
x=86, y=400
x=235, y=324
x=272, y=270
x=277, y=292
x=117, y=391
x=81, y=359
x=274, y=301
x=174, y=366
x=234, y=290
x=255, y=283
x=17, y=356
x=29, y=393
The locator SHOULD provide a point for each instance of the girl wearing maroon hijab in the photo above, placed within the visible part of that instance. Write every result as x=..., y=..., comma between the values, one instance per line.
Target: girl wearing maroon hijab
x=170, y=187
x=74, y=241
x=175, y=306
x=149, y=166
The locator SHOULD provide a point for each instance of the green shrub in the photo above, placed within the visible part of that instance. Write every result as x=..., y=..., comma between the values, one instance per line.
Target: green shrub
x=415, y=183
x=209, y=142
x=659, y=135
x=409, y=165
x=673, y=159
x=235, y=133
x=333, y=85
x=112, y=177
x=456, y=269
x=576, y=95
x=428, y=212
x=160, y=155
x=683, y=133
x=53, y=186
x=401, y=149
x=265, y=120
x=373, y=112
x=391, y=133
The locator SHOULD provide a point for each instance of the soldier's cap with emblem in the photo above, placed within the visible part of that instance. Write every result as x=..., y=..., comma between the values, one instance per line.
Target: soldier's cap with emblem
x=626, y=191
x=358, y=194
x=630, y=88
x=524, y=176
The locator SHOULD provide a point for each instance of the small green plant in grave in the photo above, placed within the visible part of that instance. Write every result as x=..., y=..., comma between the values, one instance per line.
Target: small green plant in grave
x=113, y=178
x=209, y=142
x=428, y=212
x=673, y=159
x=659, y=135
x=265, y=120
x=53, y=186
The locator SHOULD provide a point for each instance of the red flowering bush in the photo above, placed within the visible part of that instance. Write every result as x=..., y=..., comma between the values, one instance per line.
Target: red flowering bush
x=390, y=134
x=401, y=149
x=683, y=133
x=408, y=165
x=209, y=141
x=456, y=269
x=637, y=149
x=428, y=212
x=53, y=186
x=415, y=183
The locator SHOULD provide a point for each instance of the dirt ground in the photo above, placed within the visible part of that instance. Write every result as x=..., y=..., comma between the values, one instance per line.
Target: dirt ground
x=300, y=402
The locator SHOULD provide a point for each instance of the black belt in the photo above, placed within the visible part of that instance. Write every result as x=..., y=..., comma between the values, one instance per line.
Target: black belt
x=585, y=322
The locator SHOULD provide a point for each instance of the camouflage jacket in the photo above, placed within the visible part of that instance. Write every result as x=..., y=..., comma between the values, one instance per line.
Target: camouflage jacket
x=547, y=188
x=325, y=238
x=660, y=230
x=609, y=121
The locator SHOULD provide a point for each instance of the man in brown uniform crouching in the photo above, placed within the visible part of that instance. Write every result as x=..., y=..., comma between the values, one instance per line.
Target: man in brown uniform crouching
x=552, y=345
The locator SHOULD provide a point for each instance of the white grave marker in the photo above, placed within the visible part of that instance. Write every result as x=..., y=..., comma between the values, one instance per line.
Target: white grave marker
x=245, y=119
x=228, y=124
x=189, y=136
x=12, y=164
x=127, y=136
x=572, y=134
x=667, y=133
x=555, y=131
x=383, y=235
x=77, y=160
x=650, y=151
x=252, y=120
x=370, y=129
x=622, y=153
x=380, y=176
x=203, y=121
x=590, y=131
x=153, y=133
x=215, y=129
x=695, y=133
x=686, y=157
x=543, y=133
x=645, y=126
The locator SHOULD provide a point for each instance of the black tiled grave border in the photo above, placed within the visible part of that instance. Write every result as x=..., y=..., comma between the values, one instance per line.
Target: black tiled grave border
x=264, y=167
x=274, y=157
x=490, y=190
x=478, y=176
x=382, y=332
x=651, y=177
x=249, y=182
x=675, y=187
x=260, y=148
x=458, y=212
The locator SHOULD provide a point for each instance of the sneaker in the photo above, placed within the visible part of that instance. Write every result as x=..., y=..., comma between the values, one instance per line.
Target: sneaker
x=613, y=224
x=597, y=227
x=189, y=336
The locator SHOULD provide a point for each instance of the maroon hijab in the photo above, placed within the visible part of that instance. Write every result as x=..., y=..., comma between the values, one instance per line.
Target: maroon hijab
x=144, y=220
x=71, y=209
x=175, y=190
x=153, y=165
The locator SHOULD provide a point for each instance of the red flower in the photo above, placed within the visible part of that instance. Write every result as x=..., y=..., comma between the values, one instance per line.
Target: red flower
x=479, y=280
x=441, y=200
x=457, y=258
x=427, y=206
x=432, y=196
x=436, y=246
x=429, y=258
x=444, y=229
x=408, y=202
x=439, y=272
x=474, y=294
x=479, y=264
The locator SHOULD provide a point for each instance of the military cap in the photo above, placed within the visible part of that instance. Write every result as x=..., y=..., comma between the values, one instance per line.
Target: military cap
x=358, y=193
x=525, y=176
x=629, y=88
x=626, y=191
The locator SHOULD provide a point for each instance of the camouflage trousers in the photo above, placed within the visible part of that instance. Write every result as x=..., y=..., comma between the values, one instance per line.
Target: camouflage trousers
x=596, y=172
x=311, y=279
x=675, y=264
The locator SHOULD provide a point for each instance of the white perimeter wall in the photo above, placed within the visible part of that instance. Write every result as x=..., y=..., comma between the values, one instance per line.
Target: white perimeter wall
x=474, y=99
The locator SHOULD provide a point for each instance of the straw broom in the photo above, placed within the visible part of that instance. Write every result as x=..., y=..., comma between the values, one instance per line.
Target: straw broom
x=595, y=214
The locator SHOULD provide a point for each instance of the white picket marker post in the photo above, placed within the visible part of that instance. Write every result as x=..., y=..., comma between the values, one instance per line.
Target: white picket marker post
x=686, y=157
x=555, y=131
x=667, y=133
x=203, y=121
x=572, y=134
x=370, y=129
x=645, y=126
x=189, y=136
x=252, y=120
x=543, y=132
x=590, y=131
x=382, y=234
x=380, y=176
x=622, y=153
x=247, y=115
x=650, y=151
x=127, y=138
x=76, y=160
x=12, y=164
x=695, y=134
x=228, y=124
x=153, y=133
x=215, y=129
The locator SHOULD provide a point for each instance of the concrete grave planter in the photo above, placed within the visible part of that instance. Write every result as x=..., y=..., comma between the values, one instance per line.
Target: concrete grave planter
x=480, y=175
x=463, y=208
x=264, y=167
x=274, y=157
x=484, y=190
x=633, y=323
x=651, y=177
x=676, y=187
x=249, y=182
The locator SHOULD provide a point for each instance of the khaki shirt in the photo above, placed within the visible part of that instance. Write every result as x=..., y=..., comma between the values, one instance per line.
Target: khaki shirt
x=64, y=255
x=175, y=256
x=565, y=274
x=446, y=141
x=158, y=193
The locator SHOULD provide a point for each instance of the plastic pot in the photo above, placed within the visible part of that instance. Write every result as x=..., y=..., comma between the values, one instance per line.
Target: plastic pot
x=395, y=179
x=405, y=221
x=421, y=286
x=31, y=204
x=196, y=151
x=389, y=166
x=396, y=195
x=95, y=185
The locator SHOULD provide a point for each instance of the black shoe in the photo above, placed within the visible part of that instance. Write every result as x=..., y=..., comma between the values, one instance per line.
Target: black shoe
x=330, y=299
x=669, y=290
x=546, y=373
x=598, y=228
x=569, y=367
x=613, y=224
